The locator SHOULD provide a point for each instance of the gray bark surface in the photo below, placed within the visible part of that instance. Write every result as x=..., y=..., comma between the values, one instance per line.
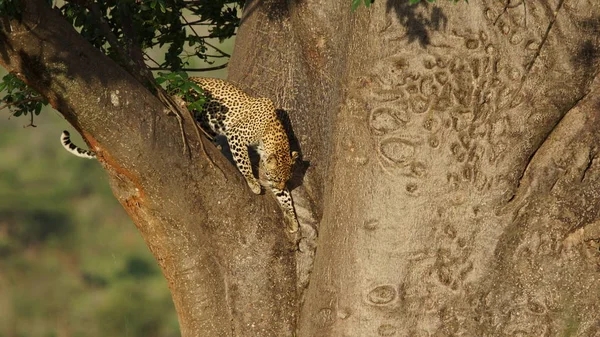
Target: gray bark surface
x=452, y=168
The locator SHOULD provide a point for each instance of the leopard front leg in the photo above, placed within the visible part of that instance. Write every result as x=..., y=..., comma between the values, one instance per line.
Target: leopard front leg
x=284, y=198
x=242, y=161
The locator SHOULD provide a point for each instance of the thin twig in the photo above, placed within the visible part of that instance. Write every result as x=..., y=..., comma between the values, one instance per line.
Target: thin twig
x=197, y=23
x=182, y=106
x=206, y=43
x=222, y=66
x=202, y=37
x=197, y=130
x=151, y=59
x=32, y=99
x=217, y=49
x=168, y=101
x=187, y=22
x=31, y=122
x=215, y=56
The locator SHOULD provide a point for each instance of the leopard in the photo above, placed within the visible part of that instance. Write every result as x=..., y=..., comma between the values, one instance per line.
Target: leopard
x=250, y=122
x=246, y=122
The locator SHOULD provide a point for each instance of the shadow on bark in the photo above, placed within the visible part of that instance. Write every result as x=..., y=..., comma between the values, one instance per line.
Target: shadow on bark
x=276, y=10
x=301, y=166
x=587, y=57
x=416, y=22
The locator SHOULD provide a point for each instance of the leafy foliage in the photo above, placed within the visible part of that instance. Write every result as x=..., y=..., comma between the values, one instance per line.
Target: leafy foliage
x=145, y=24
x=19, y=98
x=178, y=84
x=177, y=30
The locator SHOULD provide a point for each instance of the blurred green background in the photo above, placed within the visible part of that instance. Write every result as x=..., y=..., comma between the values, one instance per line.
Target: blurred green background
x=71, y=261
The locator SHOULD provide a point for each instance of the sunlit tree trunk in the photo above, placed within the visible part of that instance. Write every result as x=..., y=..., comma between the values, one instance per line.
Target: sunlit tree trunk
x=453, y=168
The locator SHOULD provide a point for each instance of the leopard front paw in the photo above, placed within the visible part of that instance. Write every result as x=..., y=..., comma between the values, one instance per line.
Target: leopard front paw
x=254, y=186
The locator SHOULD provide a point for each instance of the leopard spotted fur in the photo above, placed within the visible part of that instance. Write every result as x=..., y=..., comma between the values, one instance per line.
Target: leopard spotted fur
x=248, y=121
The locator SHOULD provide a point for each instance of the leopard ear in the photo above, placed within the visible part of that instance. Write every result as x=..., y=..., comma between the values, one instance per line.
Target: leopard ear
x=295, y=156
x=271, y=163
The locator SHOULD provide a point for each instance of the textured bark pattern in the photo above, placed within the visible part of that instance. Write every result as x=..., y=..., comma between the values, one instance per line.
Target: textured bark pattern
x=457, y=149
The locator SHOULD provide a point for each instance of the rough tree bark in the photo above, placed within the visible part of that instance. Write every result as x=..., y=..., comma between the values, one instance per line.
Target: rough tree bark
x=452, y=168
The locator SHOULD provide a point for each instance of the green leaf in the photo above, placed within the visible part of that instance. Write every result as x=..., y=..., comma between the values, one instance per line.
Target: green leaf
x=197, y=88
x=355, y=4
x=19, y=98
x=412, y=2
x=196, y=106
x=79, y=20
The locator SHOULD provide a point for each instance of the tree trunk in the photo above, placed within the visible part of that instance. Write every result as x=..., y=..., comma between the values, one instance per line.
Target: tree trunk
x=452, y=172
x=452, y=151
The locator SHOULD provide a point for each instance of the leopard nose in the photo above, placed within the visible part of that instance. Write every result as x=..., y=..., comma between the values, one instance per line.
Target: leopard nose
x=280, y=185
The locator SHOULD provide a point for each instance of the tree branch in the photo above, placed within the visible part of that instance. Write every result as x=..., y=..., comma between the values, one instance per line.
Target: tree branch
x=27, y=100
x=205, y=42
x=222, y=249
x=222, y=66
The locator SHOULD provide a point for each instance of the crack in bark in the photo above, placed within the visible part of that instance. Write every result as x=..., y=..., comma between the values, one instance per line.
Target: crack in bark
x=525, y=13
x=508, y=6
x=530, y=159
x=539, y=50
x=591, y=157
x=554, y=184
x=545, y=38
x=226, y=290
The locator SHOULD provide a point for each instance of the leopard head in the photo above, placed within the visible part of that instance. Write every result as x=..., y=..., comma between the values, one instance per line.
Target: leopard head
x=278, y=167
